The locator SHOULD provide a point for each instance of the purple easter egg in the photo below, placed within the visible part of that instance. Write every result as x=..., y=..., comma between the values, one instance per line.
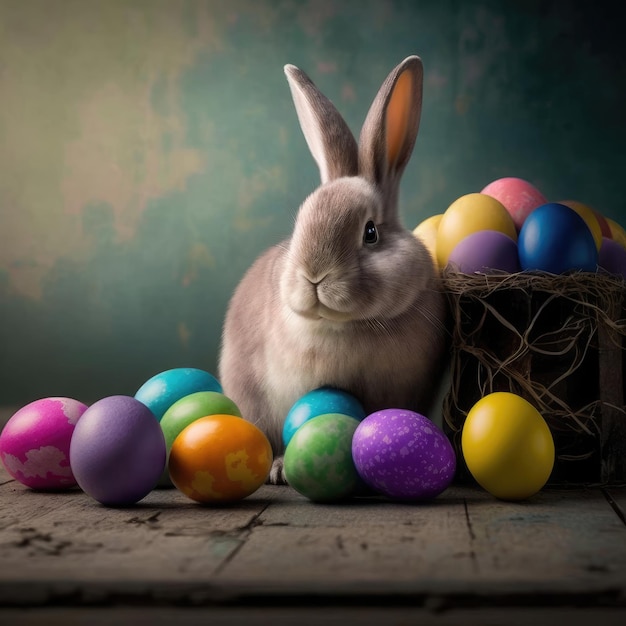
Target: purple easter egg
x=35, y=443
x=403, y=455
x=612, y=257
x=117, y=451
x=484, y=251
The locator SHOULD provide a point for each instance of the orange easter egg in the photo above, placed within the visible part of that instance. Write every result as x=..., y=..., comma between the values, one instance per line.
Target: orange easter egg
x=220, y=458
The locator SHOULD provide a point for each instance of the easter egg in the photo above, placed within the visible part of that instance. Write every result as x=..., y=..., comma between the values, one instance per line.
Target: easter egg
x=318, y=402
x=485, y=251
x=220, y=458
x=35, y=443
x=187, y=410
x=590, y=217
x=605, y=229
x=403, y=455
x=469, y=214
x=617, y=232
x=612, y=257
x=507, y=446
x=426, y=232
x=318, y=460
x=117, y=452
x=163, y=389
x=518, y=196
x=555, y=239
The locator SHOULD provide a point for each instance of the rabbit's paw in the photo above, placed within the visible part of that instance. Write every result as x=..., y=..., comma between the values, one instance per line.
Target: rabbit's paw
x=277, y=473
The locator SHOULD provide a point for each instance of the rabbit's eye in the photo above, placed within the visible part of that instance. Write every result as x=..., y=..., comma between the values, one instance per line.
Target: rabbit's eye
x=370, y=236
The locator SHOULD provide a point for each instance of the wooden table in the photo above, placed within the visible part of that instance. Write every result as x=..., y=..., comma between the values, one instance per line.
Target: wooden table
x=464, y=558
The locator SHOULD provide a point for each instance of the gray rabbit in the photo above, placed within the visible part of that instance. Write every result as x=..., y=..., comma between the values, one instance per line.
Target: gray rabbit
x=351, y=300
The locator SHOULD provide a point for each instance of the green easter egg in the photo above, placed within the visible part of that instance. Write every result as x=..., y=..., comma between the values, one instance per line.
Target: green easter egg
x=318, y=460
x=187, y=410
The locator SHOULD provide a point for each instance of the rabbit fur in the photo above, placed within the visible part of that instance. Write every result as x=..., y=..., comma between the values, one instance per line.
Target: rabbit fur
x=352, y=299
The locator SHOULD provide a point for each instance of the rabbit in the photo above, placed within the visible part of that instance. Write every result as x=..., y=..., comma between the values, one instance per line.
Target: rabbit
x=352, y=299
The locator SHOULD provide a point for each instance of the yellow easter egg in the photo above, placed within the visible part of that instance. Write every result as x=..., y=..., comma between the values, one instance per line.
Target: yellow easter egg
x=617, y=232
x=426, y=232
x=469, y=214
x=589, y=215
x=507, y=446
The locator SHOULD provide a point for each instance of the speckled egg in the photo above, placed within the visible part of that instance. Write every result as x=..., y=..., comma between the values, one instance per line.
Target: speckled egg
x=162, y=390
x=318, y=460
x=320, y=401
x=117, y=452
x=35, y=443
x=403, y=455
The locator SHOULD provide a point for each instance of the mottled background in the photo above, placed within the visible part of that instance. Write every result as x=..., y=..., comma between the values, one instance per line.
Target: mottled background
x=149, y=151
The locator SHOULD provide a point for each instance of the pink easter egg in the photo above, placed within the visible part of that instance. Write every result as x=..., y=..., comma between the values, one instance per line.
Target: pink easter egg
x=35, y=443
x=518, y=196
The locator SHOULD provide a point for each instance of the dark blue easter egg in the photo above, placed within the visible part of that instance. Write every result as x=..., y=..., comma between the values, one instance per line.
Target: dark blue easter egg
x=556, y=239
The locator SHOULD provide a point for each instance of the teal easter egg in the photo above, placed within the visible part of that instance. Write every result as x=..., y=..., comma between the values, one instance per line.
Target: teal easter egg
x=319, y=402
x=162, y=390
x=318, y=460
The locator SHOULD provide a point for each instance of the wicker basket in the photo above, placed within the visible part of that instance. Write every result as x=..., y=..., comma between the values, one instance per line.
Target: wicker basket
x=559, y=342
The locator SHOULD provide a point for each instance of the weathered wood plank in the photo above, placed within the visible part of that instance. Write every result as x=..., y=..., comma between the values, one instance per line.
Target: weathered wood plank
x=463, y=547
x=166, y=536
x=560, y=541
x=567, y=540
x=323, y=546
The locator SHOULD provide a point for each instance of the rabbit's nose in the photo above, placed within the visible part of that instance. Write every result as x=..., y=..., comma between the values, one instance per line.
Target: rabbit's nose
x=315, y=279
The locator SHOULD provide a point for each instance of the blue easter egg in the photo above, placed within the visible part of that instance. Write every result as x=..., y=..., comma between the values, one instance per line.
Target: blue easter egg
x=320, y=402
x=555, y=239
x=162, y=390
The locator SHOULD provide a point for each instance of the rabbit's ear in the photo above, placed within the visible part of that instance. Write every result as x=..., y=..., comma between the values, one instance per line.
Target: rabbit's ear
x=329, y=139
x=390, y=128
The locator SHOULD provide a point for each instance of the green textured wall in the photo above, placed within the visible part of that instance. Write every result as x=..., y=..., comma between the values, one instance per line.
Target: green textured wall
x=149, y=151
